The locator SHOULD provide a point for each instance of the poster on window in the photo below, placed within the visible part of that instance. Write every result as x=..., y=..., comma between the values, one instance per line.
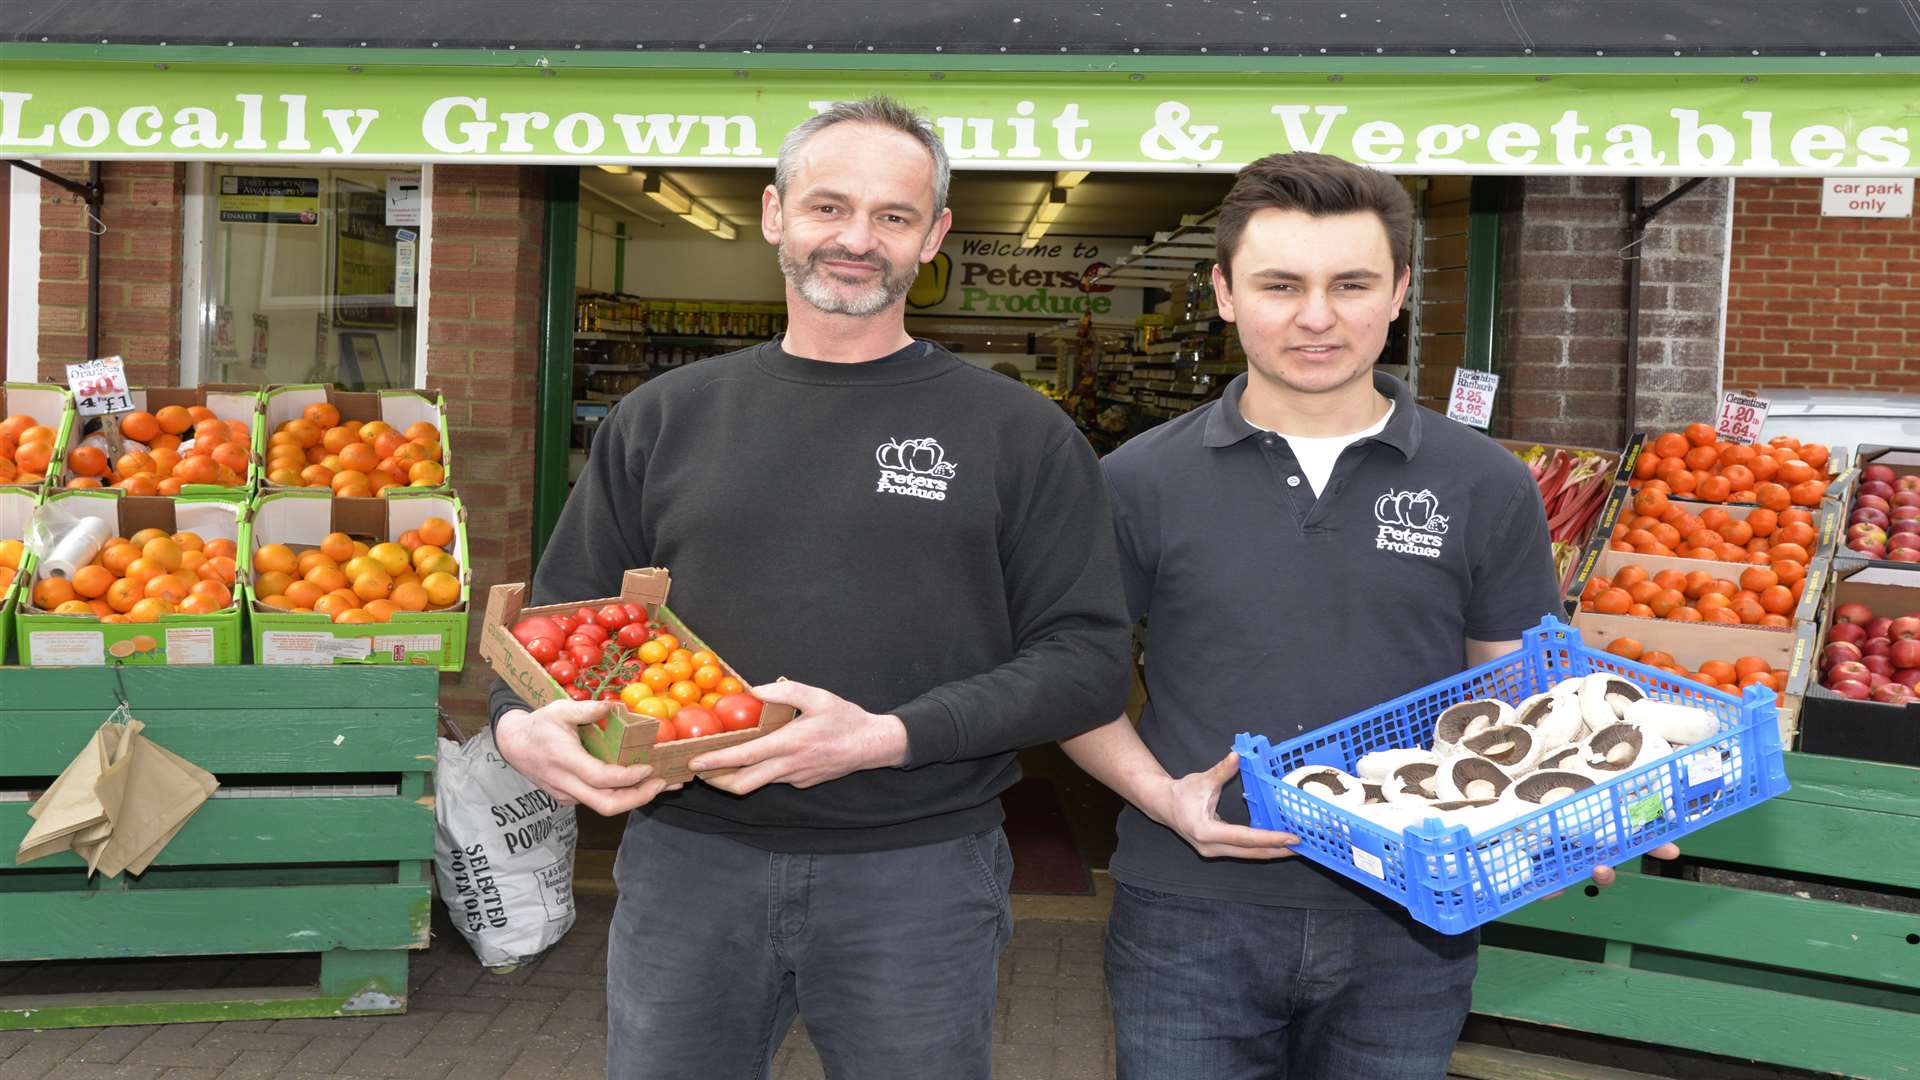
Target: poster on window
x=364, y=259
x=270, y=200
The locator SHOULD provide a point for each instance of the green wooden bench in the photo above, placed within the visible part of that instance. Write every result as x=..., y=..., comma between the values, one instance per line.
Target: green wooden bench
x=312, y=869
x=1775, y=977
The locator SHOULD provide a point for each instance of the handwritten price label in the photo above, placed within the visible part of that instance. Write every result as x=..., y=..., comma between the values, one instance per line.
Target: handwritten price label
x=99, y=386
x=1741, y=418
x=1472, y=400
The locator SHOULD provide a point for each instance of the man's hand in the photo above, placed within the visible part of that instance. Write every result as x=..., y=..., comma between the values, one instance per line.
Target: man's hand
x=830, y=738
x=1603, y=876
x=1188, y=807
x=545, y=746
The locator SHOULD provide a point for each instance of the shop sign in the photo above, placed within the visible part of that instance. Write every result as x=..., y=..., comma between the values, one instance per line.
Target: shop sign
x=998, y=276
x=1867, y=196
x=1676, y=125
x=270, y=200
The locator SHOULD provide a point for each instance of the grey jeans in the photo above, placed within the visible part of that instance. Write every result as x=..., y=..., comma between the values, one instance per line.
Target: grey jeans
x=891, y=957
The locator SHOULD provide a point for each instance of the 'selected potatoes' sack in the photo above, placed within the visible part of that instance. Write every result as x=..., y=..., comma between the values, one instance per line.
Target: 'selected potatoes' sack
x=503, y=854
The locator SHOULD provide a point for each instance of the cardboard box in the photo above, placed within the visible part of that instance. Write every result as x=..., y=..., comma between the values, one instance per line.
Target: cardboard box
x=16, y=506
x=1869, y=730
x=1905, y=462
x=302, y=517
x=1826, y=526
x=1693, y=644
x=1609, y=562
x=48, y=405
x=399, y=408
x=628, y=738
x=49, y=640
x=226, y=400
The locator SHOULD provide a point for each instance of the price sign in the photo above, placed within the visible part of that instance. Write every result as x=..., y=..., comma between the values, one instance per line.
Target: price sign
x=99, y=386
x=1741, y=418
x=1472, y=400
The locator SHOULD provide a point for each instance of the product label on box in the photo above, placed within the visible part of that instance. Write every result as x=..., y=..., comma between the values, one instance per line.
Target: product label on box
x=400, y=646
x=1741, y=417
x=1368, y=861
x=190, y=645
x=1705, y=767
x=310, y=647
x=58, y=648
x=1645, y=810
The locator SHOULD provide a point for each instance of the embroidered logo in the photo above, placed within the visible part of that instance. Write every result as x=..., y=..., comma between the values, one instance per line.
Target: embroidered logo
x=916, y=467
x=1410, y=523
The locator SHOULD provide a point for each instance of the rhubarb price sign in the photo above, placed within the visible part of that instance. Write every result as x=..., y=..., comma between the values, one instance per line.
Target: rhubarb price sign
x=99, y=386
x=1741, y=418
x=1472, y=400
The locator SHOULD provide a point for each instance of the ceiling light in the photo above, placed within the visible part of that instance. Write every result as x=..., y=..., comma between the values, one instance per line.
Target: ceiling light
x=664, y=193
x=1049, y=211
x=700, y=217
x=1070, y=178
x=724, y=229
x=617, y=170
x=1035, y=231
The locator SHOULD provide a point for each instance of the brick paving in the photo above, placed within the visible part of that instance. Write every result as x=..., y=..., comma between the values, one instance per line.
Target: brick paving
x=546, y=1021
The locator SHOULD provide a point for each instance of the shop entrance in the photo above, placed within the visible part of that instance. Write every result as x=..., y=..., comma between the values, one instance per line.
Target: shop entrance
x=670, y=269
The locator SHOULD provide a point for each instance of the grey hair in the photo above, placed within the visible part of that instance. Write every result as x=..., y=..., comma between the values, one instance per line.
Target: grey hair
x=880, y=111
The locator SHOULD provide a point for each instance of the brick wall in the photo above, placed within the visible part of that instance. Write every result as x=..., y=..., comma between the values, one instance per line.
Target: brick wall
x=483, y=351
x=1561, y=315
x=140, y=270
x=1820, y=301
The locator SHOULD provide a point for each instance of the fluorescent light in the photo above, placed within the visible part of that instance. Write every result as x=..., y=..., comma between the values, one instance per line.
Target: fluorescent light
x=700, y=217
x=617, y=170
x=1049, y=211
x=664, y=193
x=1035, y=231
x=724, y=229
x=1070, y=178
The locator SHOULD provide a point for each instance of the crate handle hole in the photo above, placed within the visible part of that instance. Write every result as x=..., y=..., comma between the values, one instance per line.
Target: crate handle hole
x=1592, y=890
x=1913, y=939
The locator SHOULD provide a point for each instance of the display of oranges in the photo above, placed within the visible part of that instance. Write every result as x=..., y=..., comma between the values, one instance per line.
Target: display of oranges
x=353, y=457
x=1695, y=464
x=12, y=552
x=185, y=444
x=351, y=581
x=1763, y=596
x=141, y=578
x=26, y=449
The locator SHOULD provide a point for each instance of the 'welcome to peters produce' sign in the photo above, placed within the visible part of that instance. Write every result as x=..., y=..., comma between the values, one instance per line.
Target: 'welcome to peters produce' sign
x=1505, y=123
x=983, y=275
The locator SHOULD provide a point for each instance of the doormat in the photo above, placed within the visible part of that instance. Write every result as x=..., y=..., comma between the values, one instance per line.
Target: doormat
x=1045, y=859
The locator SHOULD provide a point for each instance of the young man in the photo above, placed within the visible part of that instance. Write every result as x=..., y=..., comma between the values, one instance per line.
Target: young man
x=1280, y=596
x=925, y=547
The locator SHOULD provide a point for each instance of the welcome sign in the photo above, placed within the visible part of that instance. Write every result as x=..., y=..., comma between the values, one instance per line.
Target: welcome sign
x=1684, y=124
x=996, y=276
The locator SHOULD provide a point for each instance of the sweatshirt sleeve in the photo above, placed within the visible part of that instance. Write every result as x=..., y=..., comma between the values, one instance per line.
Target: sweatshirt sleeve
x=599, y=534
x=1069, y=671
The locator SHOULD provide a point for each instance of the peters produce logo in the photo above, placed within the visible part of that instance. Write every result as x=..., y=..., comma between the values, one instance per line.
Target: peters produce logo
x=916, y=467
x=1410, y=523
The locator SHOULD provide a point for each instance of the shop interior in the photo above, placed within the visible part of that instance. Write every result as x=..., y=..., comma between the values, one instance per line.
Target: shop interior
x=671, y=268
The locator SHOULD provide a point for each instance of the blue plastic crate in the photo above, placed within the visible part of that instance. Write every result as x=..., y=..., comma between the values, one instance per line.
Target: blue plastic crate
x=1453, y=880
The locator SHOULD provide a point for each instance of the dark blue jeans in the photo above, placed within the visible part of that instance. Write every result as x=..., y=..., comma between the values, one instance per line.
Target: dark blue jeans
x=1234, y=991
x=891, y=957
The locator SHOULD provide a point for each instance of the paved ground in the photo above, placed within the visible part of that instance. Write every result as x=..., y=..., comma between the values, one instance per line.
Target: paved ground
x=548, y=1021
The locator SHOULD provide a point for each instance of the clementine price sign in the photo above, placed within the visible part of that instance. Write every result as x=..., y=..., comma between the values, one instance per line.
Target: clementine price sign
x=1741, y=417
x=99, y=386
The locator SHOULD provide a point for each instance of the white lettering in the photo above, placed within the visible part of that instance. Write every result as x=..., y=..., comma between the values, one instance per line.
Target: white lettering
x=1502, y=141
x=717, y=129
x=10, y=107
x=1379, y=142
x=196, y=127
x=1880, y=148
x=517, y=125
x=1760, y=140
x=1022, y=125
x=99, y=127
x=1297, y=137
x=1066, y=127
x=1441, y=141
x=296, y=137
x=953, y=131
x=1820, y=144
x=249, y=123
x=1566, y=131
x=433, y=126
x=347, y=137
x=1630, y=144
x=659, y=130
x=131, y=121
x=1692, y=132
x=566, y=133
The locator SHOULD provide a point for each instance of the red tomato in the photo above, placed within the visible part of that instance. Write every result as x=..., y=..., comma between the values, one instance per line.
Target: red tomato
x=738, y=712
x=536, y=626
x=582, y=615
x=666, y=732
x=579, y=693
x=635, y=613
x=566, y=623
x=564, y=670
x=584, y=655
x=612, y=616
x=694, y=721
x=543, y=649
x=577, y=638
x=632, y=635
x=593, y=630
x=609, y=694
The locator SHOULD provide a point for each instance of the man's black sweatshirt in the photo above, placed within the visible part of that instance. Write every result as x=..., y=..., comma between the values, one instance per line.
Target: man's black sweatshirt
x=918, y=535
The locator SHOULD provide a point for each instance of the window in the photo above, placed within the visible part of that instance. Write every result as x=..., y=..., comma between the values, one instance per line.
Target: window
x=311, y=275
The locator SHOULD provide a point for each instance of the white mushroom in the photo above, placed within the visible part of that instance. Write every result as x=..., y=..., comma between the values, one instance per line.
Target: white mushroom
x=1468, y=718
x=1412, y=783
x=1568, y=687
x=1510, y=746
x=1620, y=748
x=1550, y=786
x=1471, y=778
x=1679, y=725
x=1556, y=721
x=1328, y=783
x=1379, y=765
x=1564, y=757
x=1604, y=699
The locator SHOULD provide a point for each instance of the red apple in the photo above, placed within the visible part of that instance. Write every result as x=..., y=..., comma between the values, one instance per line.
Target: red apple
x=1877, y=647
x=1903, y=538
x=1868, y=529
x=1905, y=554
x=1877, y=681
x=1849, y=670
x=1877, y=625
x=1869, y=548
x=1904, y=628
x=1881, y=488
x=1869, y=514
x=1881, y=666
x=1910, y=482
x=1852, y=633
x=1874, y=502
x=1850, y=688
x=1853, y=613
x=1838, y=652
x=1882, y=474
x=1905, y=498
x=1905, y=654
x=1908, y=676
x=1892, y=694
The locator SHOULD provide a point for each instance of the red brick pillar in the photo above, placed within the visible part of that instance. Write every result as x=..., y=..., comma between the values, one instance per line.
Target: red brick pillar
x=1561, y=319
x=483, y=349
x=140, y=269
x=1820, y=301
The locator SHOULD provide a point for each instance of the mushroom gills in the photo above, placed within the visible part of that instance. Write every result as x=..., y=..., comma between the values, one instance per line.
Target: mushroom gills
x=1620, y=747
x=1468, y=718
x=1550, y=786
x=1469, y=777
x=1413, y=783
x=1377, y=767
x=1328, y=783
x=1556, y=721
x=1510, y=746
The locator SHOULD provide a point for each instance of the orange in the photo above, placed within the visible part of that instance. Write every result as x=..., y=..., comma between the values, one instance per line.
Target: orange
x=422, y=430
x=163, y=550
x=1758, y=579
x=304, y=432
x=443, y=590
x=220, y=546
x=424, y=553
x=274, y=557
x=337, y=546
x=373, y=585
x=195, y=604
x=436, y=531
x=316, y=475
x=50, y=593
x=174, y=419
x=231, y=457
x=123, y=594
x=381, y=610
x=88, y=461
x=395, y=558
x=169, y=587
x=431, y=474
x=142, y=570
x=89, y=582
x=332, y=605
x=311, y=559
x=358, y=457
x=1778, y=600
x=272, y=583
x=1612, y=602
x=328, y=578
x=75, y=607
x=275, y=600
x=118, y=555
x=1750, y=665
x=191, y=562
x=151, y=608
x=338, y=438
x=303, y=593
x=409, y=596
x=321, y=414
x=140, y=426
x=352, y=616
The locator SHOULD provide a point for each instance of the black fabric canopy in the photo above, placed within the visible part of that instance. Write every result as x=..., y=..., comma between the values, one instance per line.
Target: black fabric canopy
x=1477, y=28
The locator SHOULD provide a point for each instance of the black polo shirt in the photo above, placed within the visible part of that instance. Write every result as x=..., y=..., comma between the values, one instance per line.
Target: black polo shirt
x=1273, y=611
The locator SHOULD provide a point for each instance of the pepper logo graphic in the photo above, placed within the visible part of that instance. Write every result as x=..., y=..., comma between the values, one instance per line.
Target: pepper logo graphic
x=930, y=285
x=1410, y=523
x=916, y=467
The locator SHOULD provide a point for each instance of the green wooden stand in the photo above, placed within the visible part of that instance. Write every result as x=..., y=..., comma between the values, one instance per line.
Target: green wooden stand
x=346, y=876
x=1772, y=977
